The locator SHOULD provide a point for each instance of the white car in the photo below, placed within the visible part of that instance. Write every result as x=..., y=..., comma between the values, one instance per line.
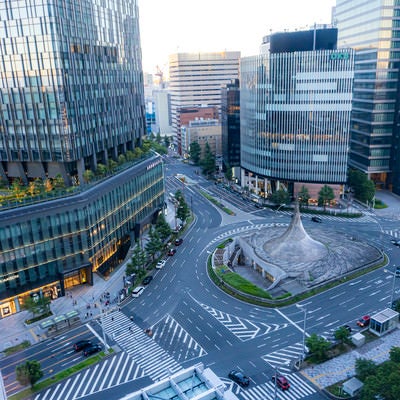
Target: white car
x=137, y=291
x=160, y=264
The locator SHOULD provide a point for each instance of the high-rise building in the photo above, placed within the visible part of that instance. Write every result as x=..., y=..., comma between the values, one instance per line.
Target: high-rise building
x=230, y=122
x=71, y=97
x=295, y=112
x=71, y=86
x=371, y=29
x=196, y=79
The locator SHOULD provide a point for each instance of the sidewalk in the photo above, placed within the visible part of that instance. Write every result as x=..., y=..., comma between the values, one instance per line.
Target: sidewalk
x=342, y=368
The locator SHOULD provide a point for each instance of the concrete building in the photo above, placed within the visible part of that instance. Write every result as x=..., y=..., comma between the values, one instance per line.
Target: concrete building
x=196, y=79
x=202, y=131
x=162, y=103
x=375, y=128
x=295, y=104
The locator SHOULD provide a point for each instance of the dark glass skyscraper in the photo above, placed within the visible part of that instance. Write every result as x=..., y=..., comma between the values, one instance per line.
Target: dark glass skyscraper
x=71, y=86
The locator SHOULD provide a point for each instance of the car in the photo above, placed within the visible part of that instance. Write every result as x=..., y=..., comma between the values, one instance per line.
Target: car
x=396, y=242
x=137, y=291
x=364, y=321
x=147, y=279
x=239, y=378
x=178, y=241
x=316, y=219
x=78, y=346
x=160, y=264
x=171, y=252
x=281, y=381
x=347, y=327
x=94, y=348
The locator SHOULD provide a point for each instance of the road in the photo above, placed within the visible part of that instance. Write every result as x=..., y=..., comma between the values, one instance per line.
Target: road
x=192, y=320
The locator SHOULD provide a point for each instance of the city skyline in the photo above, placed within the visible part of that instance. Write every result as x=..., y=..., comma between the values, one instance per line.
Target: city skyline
x=164, y=29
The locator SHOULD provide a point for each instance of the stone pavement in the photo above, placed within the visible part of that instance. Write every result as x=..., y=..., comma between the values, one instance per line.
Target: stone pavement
x=342, y=367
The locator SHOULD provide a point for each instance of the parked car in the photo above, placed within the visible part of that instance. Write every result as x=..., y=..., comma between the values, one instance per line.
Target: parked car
x=316, y=219
x=364, y=321
x=281, y=381
x=95, y=348
x=137, y=291
x=147, y=279
x=239, y=378
x=160, y=264
x=171, y=252
x=78, y=346
x=178, y=241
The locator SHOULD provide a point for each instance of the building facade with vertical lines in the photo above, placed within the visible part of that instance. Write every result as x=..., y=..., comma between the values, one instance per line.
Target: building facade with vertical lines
x=295, y=117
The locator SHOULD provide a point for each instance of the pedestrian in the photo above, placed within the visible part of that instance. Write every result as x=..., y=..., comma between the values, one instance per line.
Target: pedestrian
x=112, y=319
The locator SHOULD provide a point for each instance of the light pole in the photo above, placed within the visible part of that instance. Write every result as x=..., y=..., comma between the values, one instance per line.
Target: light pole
x=304, y=309
x=394, y=282
x=282, y=205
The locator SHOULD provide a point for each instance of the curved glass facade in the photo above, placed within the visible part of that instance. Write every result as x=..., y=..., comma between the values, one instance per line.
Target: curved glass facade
x=295, y=115
x=59, y=243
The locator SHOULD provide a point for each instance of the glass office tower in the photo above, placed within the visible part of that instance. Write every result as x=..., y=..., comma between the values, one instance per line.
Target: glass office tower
x=372, y=28
x=71, y=86
x=294, y=118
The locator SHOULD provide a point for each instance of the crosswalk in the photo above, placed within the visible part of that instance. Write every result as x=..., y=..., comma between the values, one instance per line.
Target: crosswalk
x=242, y=328
x=170, y=335
x=299, y=389
x=154, y=360
x=365, y=218
x=393, y=232
x=284, y=358
x=113, y=371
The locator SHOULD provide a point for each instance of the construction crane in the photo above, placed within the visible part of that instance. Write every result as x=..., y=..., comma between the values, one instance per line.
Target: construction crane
x=160, y=75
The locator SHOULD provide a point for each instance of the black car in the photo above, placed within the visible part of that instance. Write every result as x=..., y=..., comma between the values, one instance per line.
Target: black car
x=178, y=241
x=147, y=280
x=95, y=348
x=316, y=219
x=82, y=344
x=239, y=378
x=396, y=242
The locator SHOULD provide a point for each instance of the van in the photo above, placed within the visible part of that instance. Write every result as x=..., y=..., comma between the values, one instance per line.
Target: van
x=137, y=291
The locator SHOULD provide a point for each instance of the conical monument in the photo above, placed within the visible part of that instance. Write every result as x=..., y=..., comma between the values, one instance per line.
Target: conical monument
x=295, y=244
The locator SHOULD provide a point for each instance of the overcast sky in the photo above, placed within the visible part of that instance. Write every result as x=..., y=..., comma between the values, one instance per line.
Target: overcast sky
x=171, y=26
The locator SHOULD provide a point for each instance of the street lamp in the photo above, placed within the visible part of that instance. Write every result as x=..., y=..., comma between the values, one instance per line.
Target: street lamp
x=304, y=309
x=394, y=282
x=282, y=205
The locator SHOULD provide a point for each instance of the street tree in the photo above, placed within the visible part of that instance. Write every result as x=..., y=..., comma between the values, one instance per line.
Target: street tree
x=394, y=354
x=303, y=196
x=280, y=197
x=325, y=196
x=38, y=305
x=29, y=372
x=342, y=334
x=137, y=261
x=365, y=368
x=166, y=141
x=318, y=347
x=208, y=161
x=362, y=187
x=182, y=211
x=228, y=173
x=195, y=152
x=158, y=138
x=154, y=244
x=162, y=227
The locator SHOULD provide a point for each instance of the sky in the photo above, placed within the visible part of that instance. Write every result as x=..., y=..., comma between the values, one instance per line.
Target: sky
x=179, y=26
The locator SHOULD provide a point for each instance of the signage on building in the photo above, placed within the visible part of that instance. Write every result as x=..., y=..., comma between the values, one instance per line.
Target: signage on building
x=339, y=56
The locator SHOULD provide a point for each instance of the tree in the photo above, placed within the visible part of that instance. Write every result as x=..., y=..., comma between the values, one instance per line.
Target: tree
x=58, y=182
x=121, y=159
x=362, y=187
x=130, y=155
x=182, y=211
x=88, y=175
x=208, y=161
x=195, y=152
x=138, y=260
x=394, y=354
x=18, y=189
x=303, y=196
x=38, y=305
x=162, y=226
x=39, y=186
x=158, y=138
x=325, y=196
x=365, y=368
x=280, y=197
x=29, y=372
x=318, y=347
x=342, y=334
x=101, y=170
x=47, y=185
x=154, y=245
x=228, y=173
x=111, y=165
x=166, y=141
